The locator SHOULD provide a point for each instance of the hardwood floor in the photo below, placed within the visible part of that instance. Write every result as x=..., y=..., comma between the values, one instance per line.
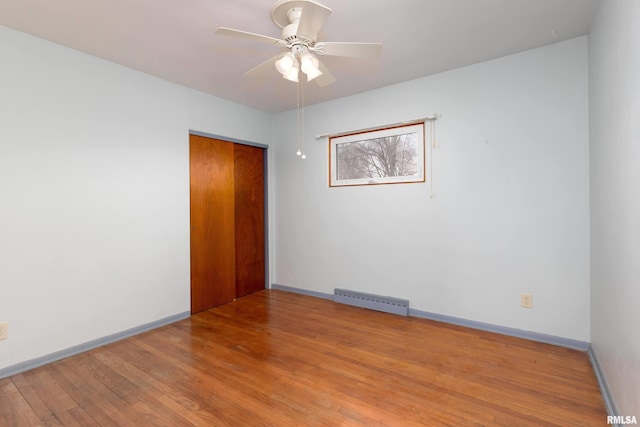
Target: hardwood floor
x=281, y=359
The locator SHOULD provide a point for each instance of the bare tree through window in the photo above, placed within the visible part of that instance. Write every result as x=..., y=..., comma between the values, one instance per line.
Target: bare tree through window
x=386, y=156
x=378, y=158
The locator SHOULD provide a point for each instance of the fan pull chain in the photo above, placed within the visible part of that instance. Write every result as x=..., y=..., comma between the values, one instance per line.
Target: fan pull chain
x=300, y=113
x=303, y=156
x=298, y=138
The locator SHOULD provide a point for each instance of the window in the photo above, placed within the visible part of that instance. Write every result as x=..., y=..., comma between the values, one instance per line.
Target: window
x=384, y=156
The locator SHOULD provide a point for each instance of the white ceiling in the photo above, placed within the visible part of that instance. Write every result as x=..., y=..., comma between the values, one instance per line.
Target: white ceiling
x=175, y=40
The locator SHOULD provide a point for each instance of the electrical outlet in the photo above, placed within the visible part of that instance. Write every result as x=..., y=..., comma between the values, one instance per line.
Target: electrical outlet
x=526, y=300
x=4, y=330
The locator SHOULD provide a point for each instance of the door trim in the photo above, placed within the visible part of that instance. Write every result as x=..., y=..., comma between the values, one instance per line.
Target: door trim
x=226, y=138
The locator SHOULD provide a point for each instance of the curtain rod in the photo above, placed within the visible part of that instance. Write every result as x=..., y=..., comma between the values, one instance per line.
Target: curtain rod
x=434, y=116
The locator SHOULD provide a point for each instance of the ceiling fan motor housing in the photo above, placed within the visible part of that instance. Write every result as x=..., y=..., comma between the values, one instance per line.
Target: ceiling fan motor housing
x=290, y=32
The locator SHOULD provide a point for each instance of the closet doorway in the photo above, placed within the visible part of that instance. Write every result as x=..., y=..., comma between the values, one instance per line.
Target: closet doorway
x=227, y=189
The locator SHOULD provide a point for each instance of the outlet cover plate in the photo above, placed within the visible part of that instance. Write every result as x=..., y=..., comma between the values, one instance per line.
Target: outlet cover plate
x=526, y=300
x=4, y=330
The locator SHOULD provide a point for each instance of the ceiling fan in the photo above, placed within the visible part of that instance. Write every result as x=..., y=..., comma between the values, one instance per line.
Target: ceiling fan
x=301, y=20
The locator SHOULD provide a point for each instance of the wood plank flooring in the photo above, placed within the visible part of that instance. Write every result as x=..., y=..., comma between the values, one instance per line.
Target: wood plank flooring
x=280, y=359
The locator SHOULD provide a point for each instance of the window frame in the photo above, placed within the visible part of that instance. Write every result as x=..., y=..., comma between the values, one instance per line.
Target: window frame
x=336, y=141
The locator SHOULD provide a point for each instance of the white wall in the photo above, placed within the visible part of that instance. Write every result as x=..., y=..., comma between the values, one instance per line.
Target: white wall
x=511, y=207
x=94, y=194
x=614, y=98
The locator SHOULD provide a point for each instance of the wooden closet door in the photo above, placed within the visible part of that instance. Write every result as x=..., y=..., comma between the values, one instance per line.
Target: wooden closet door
x=213, y=266
x=249, y=219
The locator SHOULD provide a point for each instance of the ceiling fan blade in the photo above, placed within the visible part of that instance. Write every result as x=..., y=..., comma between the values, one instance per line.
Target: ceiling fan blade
x=326, y=78
x=312, y=19
x=224, y=31
x=266, y=66
x=352, y=50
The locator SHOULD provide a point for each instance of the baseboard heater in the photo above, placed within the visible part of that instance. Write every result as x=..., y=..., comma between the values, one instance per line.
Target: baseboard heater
x=373, y=302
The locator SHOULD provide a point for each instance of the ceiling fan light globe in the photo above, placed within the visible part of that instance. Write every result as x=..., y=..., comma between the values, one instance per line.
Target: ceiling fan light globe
x=308, y=62
x=313, y=74
x=292, y=74
x=286, y=63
